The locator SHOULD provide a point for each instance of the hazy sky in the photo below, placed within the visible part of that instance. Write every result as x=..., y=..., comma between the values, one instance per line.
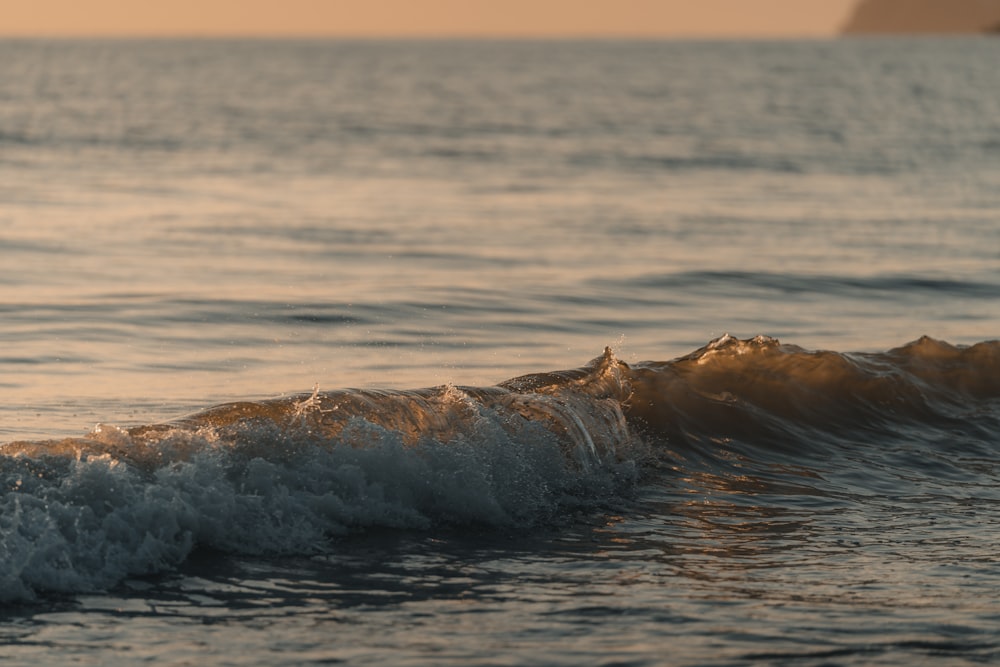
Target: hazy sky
x=424, y=17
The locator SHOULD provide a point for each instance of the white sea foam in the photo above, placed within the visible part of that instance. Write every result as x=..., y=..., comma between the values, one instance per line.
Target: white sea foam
x=84, y=523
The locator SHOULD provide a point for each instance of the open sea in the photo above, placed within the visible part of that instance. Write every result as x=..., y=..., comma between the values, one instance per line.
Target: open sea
x=500, y=353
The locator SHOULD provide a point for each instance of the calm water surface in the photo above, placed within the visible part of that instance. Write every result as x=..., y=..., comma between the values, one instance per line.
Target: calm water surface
x=185, y=224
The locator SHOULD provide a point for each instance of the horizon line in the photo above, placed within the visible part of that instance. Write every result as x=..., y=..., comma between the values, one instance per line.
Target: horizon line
x=487, y=37
x=443, y=36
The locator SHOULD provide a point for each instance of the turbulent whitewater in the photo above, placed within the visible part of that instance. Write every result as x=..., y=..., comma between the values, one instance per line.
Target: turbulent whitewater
x=291, y=475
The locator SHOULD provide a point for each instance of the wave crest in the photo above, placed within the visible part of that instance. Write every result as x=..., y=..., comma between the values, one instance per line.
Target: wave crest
x=287, y=474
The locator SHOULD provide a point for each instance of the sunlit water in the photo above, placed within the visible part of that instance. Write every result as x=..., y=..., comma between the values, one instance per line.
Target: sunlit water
x=186, y=224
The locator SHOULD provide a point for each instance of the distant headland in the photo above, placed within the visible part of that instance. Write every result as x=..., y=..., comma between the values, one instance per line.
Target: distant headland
x=924, y=17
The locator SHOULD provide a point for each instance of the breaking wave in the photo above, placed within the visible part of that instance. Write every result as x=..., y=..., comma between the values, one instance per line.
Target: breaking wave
x=290, y=475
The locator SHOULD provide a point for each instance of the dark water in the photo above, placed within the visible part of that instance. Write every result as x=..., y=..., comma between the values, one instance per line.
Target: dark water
x=258, y=226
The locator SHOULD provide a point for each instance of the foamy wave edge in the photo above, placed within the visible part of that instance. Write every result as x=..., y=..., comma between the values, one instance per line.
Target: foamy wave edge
x=291, y=476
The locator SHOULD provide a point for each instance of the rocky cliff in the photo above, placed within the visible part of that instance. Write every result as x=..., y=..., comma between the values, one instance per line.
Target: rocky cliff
x=924, y=16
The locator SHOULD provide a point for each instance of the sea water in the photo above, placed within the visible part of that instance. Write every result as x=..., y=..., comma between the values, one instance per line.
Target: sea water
x=302, y=352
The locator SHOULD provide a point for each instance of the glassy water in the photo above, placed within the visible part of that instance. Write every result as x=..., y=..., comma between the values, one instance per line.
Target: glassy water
x=262, y=225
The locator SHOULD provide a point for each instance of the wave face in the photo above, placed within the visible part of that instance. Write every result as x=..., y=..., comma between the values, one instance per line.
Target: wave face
x=290, y=475
x=775, y=421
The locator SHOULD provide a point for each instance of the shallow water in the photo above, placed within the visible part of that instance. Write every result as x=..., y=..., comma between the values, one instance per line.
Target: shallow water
x=187, y=224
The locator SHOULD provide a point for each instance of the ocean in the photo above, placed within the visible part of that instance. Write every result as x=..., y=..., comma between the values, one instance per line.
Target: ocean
x=500, y=352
